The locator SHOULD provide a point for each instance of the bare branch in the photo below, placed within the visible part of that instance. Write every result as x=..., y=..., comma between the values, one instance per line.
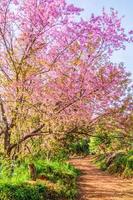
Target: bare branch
x=34, y=133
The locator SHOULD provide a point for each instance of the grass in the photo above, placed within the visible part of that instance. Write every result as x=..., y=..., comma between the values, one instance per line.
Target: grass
x=63, y=174
x=55, y=180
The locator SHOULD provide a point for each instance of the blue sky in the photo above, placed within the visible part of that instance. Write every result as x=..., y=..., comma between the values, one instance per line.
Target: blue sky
x=125, y=7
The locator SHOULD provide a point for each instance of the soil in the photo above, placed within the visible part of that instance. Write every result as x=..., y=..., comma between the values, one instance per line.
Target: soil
x=94, y=184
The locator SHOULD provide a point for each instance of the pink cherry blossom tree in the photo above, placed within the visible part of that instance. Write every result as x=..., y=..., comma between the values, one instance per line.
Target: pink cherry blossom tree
x=55, y=72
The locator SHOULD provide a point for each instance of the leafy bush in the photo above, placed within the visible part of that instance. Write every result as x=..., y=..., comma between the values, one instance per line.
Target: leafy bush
x=79, y=147
x=21, y=192
x=57, y=173
x=110, y=149
x=120, y=163
x=94, y=144
x=100, y=161
x=61, y=173
x=11, y=171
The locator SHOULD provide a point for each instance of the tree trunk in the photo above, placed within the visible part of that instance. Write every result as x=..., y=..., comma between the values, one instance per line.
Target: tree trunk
x=32, y=172
x=7, y=143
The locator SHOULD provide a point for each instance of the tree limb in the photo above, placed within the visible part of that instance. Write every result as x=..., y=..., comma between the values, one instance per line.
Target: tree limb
x=34, y=133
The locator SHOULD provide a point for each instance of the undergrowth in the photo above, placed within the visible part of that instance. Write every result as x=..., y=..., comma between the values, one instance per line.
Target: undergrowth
x=55, y=180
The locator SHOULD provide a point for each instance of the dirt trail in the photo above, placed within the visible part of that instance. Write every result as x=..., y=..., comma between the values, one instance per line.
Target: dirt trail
x=94, y=184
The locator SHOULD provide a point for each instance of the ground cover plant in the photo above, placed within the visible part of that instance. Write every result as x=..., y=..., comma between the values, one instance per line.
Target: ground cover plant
x=54, y=180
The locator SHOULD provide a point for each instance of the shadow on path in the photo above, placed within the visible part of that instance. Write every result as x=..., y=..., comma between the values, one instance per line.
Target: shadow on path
x=94, y=184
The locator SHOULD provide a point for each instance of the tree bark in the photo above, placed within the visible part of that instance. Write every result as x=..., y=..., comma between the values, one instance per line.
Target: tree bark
x=7, y=143
x=6, y=129
x=32, y=172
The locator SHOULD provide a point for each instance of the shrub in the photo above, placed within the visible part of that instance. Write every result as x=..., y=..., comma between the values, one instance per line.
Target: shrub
x=94, y=144
x=61, y=173
x=59, y=180
x=13, y=172
x=21, y=192
x=100, y=161
x=121, y=163
x=81, y=147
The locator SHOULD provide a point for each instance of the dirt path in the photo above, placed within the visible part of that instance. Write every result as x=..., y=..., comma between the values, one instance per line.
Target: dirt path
x=94, y=184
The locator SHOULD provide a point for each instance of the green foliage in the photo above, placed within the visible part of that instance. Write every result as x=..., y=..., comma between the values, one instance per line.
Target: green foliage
x=100, y=161
x=80, y=147
x=94, y=144
x=121, y=163
x=61, y=168
x=61, y=155
x=13, y=172
x=112, y=149
x=61, y=173
x=21, y=192
x=118, y=164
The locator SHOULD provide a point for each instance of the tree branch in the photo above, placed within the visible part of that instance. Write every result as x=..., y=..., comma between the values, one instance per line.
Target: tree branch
x=34, y=133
